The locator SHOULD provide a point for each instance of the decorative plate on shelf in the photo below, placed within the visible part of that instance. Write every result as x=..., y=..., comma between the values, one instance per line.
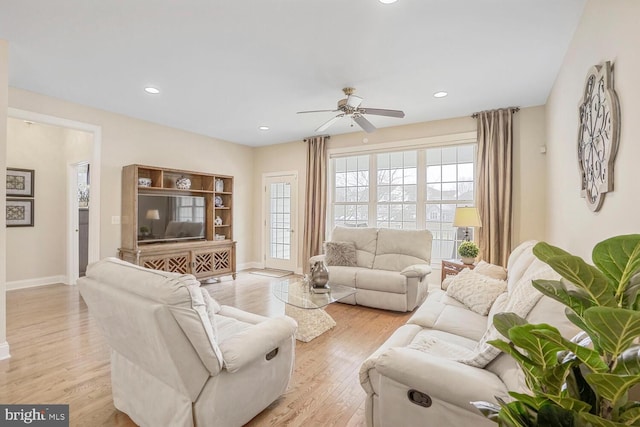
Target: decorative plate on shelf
x=218, y=201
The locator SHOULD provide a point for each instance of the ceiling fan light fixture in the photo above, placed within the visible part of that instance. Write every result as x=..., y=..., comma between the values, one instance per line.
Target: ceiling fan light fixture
x=440, y=94
x=152, y=90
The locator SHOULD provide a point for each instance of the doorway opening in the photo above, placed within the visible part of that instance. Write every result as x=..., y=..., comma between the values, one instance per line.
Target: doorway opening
x=72, y=200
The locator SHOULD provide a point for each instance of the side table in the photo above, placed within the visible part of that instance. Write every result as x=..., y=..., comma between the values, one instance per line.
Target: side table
x=451, y=267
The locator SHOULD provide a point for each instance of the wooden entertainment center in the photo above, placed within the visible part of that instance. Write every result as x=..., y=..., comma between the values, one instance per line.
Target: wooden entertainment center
x=207, y=255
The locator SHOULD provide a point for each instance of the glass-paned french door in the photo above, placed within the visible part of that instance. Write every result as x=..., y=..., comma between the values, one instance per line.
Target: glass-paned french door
x=281, y=237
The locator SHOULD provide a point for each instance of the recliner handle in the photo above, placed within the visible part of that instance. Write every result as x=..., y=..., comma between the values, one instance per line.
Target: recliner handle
x=419, y=398
x=272, y=354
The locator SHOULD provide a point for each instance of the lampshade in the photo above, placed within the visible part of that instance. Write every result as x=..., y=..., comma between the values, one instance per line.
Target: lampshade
x=466, y=217
x=153, y=214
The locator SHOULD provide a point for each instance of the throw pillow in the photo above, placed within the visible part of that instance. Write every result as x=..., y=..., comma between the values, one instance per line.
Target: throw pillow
x=491, y=270
x=340, y=253
x=476, y=291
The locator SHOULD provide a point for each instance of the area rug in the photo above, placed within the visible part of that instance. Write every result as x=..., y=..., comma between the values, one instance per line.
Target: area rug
x=272, y=273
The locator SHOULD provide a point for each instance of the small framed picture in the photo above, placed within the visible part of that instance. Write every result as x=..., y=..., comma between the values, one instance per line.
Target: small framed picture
x=19, y=212
x=20, y=182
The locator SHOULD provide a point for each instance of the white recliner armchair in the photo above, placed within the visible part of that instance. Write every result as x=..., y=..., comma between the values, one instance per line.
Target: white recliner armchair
x=177, y=357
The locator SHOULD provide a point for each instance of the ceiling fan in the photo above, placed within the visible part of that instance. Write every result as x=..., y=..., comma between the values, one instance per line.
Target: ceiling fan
x=350, y=107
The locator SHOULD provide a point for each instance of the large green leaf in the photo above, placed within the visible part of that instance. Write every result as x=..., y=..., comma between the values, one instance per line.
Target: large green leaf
x=619, y=259
x=616, y=327
x=570, y=404
x=576, y=319
x=631, y=415
x=578, y=300
x=628, y=362
x=586, y=277
x=534, y=402
x=545, y=251
x=553, y=380
x=505, y=321
x=510, y=349
x=540, y=350
x=515, y=414
x=589, y=357
x=595, y=421
x=533, y=374
x=612, y=387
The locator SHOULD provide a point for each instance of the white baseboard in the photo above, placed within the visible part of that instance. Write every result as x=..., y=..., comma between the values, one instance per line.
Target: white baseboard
x=260, y=265
x=4, y=351
x=249, y=266
x=39, y=281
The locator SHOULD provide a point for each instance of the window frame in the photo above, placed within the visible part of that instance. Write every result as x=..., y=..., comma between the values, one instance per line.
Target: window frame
x=420, y=145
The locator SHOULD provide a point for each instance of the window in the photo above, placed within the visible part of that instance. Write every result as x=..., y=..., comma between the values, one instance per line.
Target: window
x=351, y=191
x=413, y=189
x=450, y=173
x=397, y=189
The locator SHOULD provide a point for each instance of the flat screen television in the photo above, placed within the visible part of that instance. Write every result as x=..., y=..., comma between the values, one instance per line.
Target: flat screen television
x=168, y=218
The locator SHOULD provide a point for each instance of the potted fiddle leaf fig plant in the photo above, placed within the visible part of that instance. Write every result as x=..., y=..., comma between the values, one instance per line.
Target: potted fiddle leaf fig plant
x=468, y=252
x=584, y=381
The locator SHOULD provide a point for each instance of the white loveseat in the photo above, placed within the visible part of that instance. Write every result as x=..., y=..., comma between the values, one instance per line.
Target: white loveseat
x=431, y=358
x=178, y=358
x=390, y=266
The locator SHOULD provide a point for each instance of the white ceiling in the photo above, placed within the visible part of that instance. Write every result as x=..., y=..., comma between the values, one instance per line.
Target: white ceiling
x=227, y=67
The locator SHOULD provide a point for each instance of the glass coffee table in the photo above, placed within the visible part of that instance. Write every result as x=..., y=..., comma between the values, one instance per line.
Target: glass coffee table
x=307, y=308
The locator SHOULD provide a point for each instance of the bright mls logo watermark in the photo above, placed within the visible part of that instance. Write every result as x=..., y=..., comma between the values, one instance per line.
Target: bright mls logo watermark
x=34, y=415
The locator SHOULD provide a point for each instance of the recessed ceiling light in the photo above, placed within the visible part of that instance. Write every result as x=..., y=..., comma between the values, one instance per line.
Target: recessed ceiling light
x=152, y=90
x=388, y=1
x=264, y=128
x=440, y=94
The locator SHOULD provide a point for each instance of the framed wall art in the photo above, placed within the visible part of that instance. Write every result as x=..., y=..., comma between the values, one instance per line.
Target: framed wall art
x=20, y=182
x=19, y=212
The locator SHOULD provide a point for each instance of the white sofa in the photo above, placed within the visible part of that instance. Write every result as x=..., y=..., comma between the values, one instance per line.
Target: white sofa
x=431, y=358
x=177, y=357
x=390, y=267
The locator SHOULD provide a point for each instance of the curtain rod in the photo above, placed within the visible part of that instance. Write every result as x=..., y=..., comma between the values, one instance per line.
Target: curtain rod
x=316, y=136
x=513, y=110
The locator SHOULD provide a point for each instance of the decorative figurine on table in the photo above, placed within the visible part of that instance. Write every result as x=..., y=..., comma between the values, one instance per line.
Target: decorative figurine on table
x=319, y=278
x=217, y=221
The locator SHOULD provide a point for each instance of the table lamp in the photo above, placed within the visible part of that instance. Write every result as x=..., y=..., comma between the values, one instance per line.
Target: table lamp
x=466, y=217
x=152, y=214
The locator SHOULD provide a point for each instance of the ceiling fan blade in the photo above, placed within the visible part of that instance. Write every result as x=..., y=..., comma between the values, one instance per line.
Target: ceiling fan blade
x=354, y=101
x=364, y=123
x=317, y=111
x=328, y=123
x=382, y=112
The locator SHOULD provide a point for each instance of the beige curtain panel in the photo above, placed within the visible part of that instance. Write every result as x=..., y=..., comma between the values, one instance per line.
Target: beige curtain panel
x=316, y=198
x=495, y=142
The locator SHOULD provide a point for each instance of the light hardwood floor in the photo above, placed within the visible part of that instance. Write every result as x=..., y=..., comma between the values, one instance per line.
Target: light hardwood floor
x=58, y=356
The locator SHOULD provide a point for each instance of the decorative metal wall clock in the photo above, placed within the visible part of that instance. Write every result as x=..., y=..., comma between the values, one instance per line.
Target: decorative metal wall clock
x=598, y=135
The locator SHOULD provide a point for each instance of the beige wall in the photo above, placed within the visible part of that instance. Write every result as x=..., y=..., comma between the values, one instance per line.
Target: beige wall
x=608, y=31
x=126, y=140
x=529, y=175
x=39, y=251
x=4, y=86
x=529, y=166
x=287, y=157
